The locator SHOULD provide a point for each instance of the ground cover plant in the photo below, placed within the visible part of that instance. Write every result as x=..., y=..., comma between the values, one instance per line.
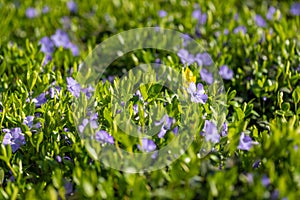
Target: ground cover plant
x=253, y=144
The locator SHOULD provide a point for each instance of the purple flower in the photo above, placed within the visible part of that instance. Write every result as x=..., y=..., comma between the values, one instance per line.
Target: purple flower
x=31, y=12
x=45, y=9
x=14, y=138
x=225, y=72
x=241, y=29
x=47, y=59
x=88, y=91
x=147, y=145
x=224, y=130
x=249, y=177
x=72, y=6
x=103, y=136
x=197, y=94
x=245, y=142
x=265, y=180
x=74, y=48
x=28, y=121
x=203, y=59
x=47, y=45
x=162, y=13
x=295, y=9
x=60, y=39
x=206, y=76
x=256, y=164
x=185, y=57
x=83, y=125
x=68, y=187
x=54, y=91
x=259, y=20
x=202, y=18
x=94, y=120
x=175, y=130
x=58, y=159
x=40, y=100
x=73, y=87
x=271, y=13
x=166, y=123
x=210, y=132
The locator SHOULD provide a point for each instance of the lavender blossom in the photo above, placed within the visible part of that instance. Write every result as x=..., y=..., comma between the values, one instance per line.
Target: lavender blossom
x=162, y=13
x=60, y=39
x=45, y=10
x=270, y=13
x=31, y=12
x=203, y=59
x=265, y=180
x=185, y=57
x=210, y=132
x=73, y=87
x=166, y=123
x=241, y=29
x=224, y=130
x=47, y=45
x=72, y=6
x=103, y=136
x=225, y=72
x=147, y=145
x=197, y=94
x=259, y=20
x=295, y=9
x=14, y=138
x=245, y=142
x=40, y=100
x=206, y=76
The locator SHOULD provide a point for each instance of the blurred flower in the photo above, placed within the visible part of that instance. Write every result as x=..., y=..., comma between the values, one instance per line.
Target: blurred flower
x=245, y=142
x=225, y=72
x=197, y=94
x=60, y=39
x=45, y=9
x=31, y=12
x=83, y=125
x=72, y=6
x=241, y=29
x=265, y=180
x=14, y=138
x=256, y=164
x=74, y=48
x=58, y=159
x=249, y=177
x=166, y=123
x=185, y=57
x=47, y=59
x=68, y=187
x=270, y=13
x=224, y=130
x=47, y=45
x=206, y=76
x=28, y=121
x=40, y=100
x=88, y=91
x=175, y=130
x=259, y=20
x=162, y=13
x=147, y=145
x=201, y=17
x=94, y=120
x=103, y=136
x=203, y=59
x=210, y=132
x=295, y=9
x=73, y=87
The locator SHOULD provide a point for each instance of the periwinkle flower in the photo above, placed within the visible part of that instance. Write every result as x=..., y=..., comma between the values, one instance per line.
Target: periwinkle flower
x=47, y=45
x=295, y=9
x=82, y=126
x=73, y=48
x=197, y=94
x=206, y=76
x=94, y=120
x=103, y=136
x=185, y=56
x=45, y=10
x=265, y=180
x=14, y=138
x=224, y=130
x=72, y=6
x=241, y=29
x=259, y=20
x=203, y=59
x=201, y=17
x=73, y=86
x=147, y=145
x=31, y=12
x=40, y=100
x=270, y=13
x=162, y=13
x=28, y=121
x=47, y=59
x=225, y=72
x=60, y=39
x=88, y=91
x=210, y=132
x=166, y=123
x=245, y=142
